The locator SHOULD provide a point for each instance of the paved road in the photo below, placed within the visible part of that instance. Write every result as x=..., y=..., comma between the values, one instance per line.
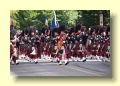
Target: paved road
x=46, y=68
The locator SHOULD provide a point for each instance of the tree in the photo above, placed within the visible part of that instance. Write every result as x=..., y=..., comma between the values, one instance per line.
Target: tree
x=14, y=14
x=27, y=18
x=91, y=17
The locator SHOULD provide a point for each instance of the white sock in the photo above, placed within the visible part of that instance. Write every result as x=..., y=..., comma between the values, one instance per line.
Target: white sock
x=36, y=60
x=101, y=57
x=83, y=58
x=12, y=62
x=66, y=61
x=98, y=58
x=52, y=59
x=104, y=58
x=78, y=59
x=91, y=56
x=23, y=55
x=10, y=59
x=17, y=61
x=32, y=60
x=60, y=62
x=58, y=59
x=55, y=59
x=74, y=58
x=28, y=59
x=47, y=57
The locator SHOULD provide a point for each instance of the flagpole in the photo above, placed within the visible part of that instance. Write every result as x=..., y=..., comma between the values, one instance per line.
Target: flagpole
x=54, y=17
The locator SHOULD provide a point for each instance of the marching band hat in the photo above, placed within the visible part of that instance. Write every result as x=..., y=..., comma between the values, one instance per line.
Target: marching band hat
x=32, y=30
x=55, y=30
x=25, y=31
x=93, y=28
x=67, y=31
x=78, y=27
x=62, y=28
x=102, y=29
x=98, y=29
x=43, y=30
x=108, y=30
x=83, y=28
x=71, y=30
x=13, y=32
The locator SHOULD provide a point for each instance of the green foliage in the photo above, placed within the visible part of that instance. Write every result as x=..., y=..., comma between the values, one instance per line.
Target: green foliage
x=91, y=17
x=27, y=18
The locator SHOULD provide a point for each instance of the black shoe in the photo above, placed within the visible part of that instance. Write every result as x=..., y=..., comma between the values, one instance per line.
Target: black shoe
x=84, y=60
x=67, y=63
x=17, y=63
x=36, y=62
x=60, y=64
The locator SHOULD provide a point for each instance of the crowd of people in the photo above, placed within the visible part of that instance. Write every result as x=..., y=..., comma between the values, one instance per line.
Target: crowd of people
x=60, y=44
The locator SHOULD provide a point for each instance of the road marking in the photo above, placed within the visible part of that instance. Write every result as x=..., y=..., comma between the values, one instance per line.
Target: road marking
x=79, y=70
x=82, y=70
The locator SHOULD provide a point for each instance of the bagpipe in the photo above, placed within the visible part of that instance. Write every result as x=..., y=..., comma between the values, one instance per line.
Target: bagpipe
x=60, y=42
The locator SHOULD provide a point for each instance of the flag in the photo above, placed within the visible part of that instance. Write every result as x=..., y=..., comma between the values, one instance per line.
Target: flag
x=46, y=21
x=54, y=20
x=55, y=17
x=53, y=23
x=57, y=24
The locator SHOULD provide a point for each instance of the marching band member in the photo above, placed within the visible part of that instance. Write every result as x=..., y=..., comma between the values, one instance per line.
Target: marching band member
x=78, y=35
x=106, y=46
x=34, y=50
x=102, y=42
x=24, y=43
x=44, y=43
x=91, y=45
x=72, y=42
x=60, y=46
x=67, y=45
x=14, y=49
x=55, y=39
x=57, y=45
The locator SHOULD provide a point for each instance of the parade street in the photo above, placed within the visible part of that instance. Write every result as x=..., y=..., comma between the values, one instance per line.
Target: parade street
x=47, y=68
x=76, y=41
